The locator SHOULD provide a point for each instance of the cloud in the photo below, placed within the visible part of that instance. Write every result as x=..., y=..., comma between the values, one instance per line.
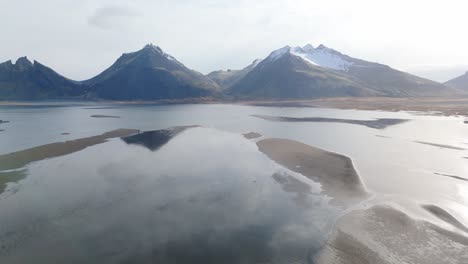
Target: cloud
x=109, y=17
x=81, y=38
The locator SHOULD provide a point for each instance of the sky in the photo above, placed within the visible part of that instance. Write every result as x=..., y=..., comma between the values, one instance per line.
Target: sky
x=81, y=38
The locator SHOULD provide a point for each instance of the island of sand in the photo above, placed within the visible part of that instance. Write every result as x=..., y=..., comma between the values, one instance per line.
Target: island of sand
x=333, y=171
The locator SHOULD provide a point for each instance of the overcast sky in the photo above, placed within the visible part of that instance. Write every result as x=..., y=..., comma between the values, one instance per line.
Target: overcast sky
x=80, y=38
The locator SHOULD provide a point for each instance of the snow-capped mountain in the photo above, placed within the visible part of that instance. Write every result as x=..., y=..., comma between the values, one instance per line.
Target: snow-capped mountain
x=341, y=69
x=284, y=75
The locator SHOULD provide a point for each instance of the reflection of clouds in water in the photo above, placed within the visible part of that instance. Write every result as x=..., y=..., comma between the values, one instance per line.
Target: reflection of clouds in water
x=206, y=195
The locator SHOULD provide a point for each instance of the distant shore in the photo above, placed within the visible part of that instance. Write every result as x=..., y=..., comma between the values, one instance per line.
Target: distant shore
x=441, y=106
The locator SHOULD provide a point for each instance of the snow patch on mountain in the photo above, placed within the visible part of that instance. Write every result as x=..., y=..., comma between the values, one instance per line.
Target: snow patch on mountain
x=278, y=53
x=320, y=56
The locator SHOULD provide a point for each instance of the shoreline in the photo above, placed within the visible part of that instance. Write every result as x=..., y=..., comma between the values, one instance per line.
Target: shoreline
x=432, y=105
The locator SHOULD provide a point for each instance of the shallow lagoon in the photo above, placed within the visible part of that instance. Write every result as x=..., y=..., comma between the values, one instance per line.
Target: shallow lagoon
x=208, y=194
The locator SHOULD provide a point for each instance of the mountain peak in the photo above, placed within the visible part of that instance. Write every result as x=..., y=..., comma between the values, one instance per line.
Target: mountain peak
x=308, y=47
x=23, y=63
x=153, y=47
x=321, y=46
x=274, y=55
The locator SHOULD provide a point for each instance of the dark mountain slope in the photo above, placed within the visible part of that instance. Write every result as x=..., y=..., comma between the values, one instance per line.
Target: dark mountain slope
x=27, y=81
x=150, y=74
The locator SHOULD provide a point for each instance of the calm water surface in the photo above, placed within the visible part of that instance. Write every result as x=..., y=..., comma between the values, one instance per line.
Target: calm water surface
x=208, y=195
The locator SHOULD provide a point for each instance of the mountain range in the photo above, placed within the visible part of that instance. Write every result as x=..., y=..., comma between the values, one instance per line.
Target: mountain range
x=287, y=73
x=25, y=80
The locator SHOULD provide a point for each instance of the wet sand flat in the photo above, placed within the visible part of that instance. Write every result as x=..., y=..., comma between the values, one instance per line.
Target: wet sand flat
x=21, y=158
x=105, y=116
x=10, y=176
x=383, y=234
x=381, y=123
x=333, y=171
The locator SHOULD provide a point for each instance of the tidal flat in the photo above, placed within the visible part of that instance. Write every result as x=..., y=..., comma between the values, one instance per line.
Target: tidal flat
x=253, y=190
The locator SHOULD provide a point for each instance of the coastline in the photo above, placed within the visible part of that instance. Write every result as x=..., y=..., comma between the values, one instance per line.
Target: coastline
x=433, y=105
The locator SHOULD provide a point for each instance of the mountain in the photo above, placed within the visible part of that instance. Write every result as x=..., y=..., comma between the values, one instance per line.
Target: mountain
x=31, y=81
x=460, y=82
x=149, y=74
x=225, y=79
x=284, y=74
x=308, y=72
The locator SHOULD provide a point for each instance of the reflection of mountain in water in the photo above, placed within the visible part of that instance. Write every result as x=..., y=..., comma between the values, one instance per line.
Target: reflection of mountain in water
x=155, y=139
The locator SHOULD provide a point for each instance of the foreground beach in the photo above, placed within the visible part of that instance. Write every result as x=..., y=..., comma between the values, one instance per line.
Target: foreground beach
x=384, y=234
x=381, y=233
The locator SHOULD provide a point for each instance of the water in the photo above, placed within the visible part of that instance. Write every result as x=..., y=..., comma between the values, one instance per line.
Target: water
x=207, y=195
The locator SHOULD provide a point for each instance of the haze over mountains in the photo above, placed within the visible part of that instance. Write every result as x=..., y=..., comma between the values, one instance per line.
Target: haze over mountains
x=287, y=73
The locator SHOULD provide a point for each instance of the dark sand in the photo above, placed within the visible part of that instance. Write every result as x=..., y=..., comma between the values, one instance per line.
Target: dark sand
x=381, y=123
x=445, y=216
x=451, y=176
x=333, y=171
x=10, y=176
x=154, y=140
x=21, y=158
x=4, y=121
x=439, y=145
x=252, y=135
x=383, y=234
x=105, y=116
